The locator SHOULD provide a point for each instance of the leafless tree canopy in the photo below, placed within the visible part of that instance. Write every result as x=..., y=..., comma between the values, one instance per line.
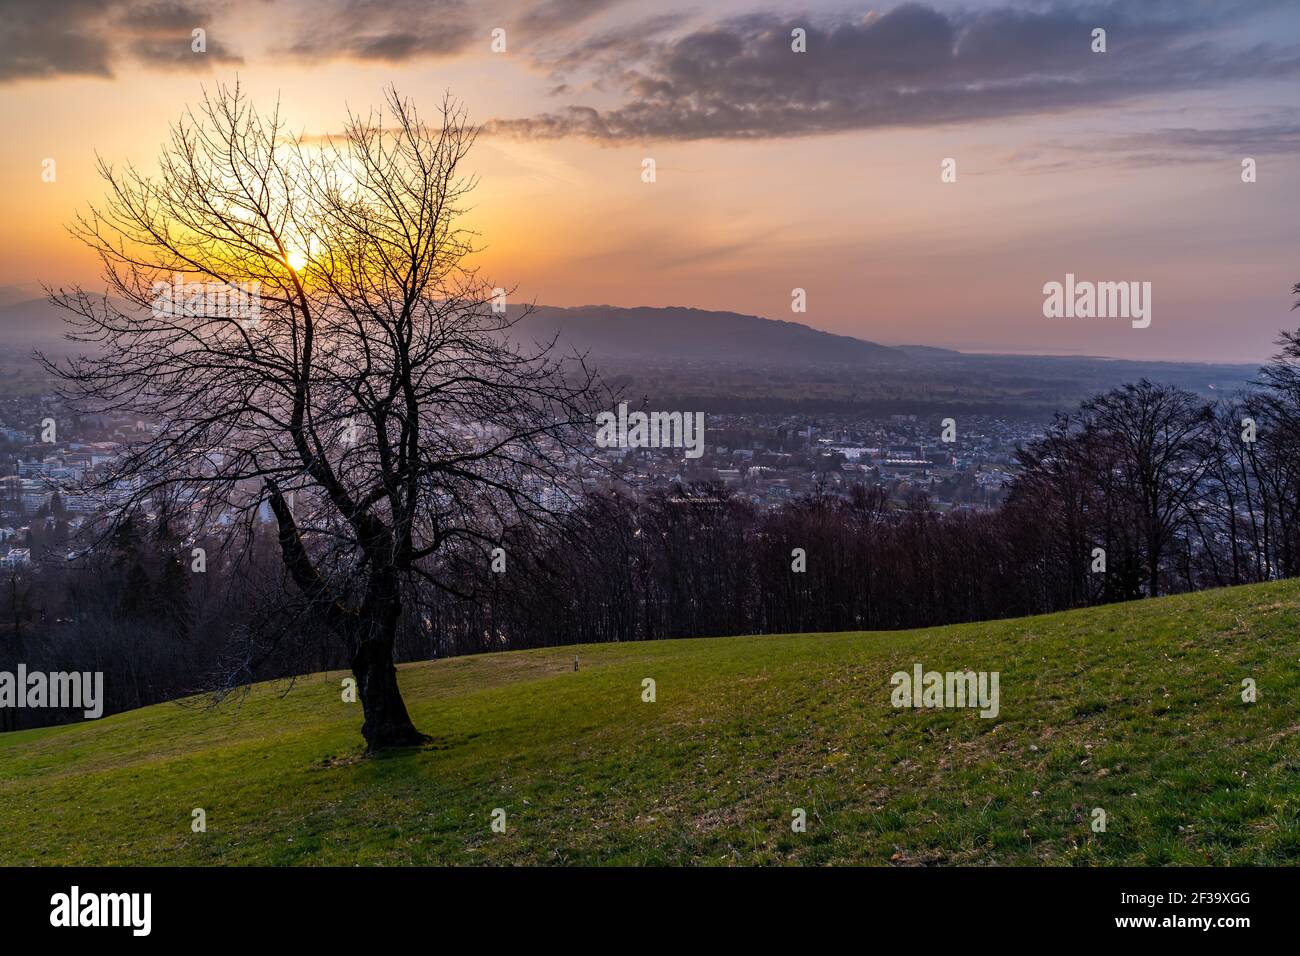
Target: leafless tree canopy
x=372, y=399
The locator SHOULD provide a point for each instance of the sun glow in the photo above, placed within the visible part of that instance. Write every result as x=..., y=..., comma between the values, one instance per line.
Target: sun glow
x=296, y=260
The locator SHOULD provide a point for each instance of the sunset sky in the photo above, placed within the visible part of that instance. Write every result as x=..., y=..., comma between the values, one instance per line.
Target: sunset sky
x=775, y=169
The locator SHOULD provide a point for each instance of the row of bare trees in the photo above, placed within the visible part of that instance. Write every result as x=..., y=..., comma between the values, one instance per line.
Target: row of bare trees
x=1179, y=494
x=1145, y=490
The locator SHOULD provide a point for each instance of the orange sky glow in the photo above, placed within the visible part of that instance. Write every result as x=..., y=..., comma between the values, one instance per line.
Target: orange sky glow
x=1143, y=185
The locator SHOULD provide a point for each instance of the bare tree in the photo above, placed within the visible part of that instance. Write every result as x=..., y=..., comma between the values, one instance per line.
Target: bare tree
x=1158, y=433
x=371, y=401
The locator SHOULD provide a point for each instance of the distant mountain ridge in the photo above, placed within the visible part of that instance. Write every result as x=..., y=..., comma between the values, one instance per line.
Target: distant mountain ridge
x=30, y=322
x=700, y=336
x=9, y=294
x=605, y=331
x=678, y=332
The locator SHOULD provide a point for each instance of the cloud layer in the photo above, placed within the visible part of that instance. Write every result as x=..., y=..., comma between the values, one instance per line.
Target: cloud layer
x=43, y=39
x=627, y=71
x=911, y=66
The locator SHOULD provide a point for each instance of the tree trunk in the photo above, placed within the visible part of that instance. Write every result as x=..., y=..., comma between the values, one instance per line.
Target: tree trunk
x=387, y=723
x=1153, y=577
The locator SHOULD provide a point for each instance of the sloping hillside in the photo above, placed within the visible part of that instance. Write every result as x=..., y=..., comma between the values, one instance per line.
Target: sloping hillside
x=1134, y=709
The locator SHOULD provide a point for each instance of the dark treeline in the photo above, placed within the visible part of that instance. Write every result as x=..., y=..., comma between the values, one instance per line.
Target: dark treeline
x=1145, y=490
x=1163, y=490
x=136, y=610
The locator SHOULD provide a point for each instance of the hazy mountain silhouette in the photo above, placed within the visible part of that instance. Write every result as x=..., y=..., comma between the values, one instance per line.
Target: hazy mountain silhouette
x=705, y=339
x=697, y=334
x=31, y=322
x=604, y=331
x=9, y=294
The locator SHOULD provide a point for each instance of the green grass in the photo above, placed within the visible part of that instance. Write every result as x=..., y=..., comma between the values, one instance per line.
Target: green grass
x=1133, y=708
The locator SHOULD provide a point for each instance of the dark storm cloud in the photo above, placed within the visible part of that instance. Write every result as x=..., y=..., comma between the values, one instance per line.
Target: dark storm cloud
x=43, y=39
x=911, y=66
x=161, y=34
